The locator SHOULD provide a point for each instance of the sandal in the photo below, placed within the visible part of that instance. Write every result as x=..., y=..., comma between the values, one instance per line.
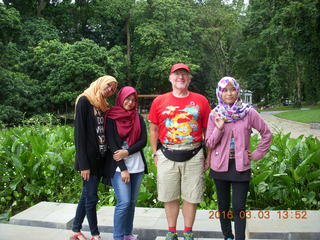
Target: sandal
x=75, y=236
x=96, y=238
x=130, y=237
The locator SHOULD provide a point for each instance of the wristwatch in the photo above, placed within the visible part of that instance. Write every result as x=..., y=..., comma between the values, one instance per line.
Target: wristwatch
x=154, y=155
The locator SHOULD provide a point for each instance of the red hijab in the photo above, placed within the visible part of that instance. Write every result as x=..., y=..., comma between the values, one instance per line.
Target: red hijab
x=127, y=122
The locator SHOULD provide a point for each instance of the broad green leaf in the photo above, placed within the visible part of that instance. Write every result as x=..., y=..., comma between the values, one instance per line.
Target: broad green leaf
x=302, y=168
x=262, y=187
x=14, y=183
x=314, y=184
x=261, y=177
x=36, y=166
x=311, y=196
x=17, y=164
x=30, y=188
x=313, y=175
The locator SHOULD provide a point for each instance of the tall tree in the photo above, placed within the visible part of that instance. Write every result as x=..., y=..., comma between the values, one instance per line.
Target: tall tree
x=280, y=39
x=10, y=24
x=163, y=35
x=112, y=16
x=28, y=8
x=64, y=70
x=218, y=33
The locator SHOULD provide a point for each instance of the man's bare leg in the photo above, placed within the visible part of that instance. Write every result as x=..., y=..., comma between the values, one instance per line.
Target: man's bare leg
x=189, y=213
x=172, y=212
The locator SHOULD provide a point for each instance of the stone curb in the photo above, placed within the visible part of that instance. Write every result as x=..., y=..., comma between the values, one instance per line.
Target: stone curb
x=151, y=222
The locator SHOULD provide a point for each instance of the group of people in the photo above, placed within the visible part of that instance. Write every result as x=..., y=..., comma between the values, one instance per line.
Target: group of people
x=109, y=143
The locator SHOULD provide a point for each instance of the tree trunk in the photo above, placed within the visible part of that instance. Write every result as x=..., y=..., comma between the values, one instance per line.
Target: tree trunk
x=298, y=82
x=41, y=5
x=129, y=80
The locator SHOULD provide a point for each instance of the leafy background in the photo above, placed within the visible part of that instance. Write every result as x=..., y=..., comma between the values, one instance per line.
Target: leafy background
x=51, y=50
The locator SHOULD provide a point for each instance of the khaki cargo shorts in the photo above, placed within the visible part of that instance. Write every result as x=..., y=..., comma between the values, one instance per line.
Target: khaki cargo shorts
x=185, y=179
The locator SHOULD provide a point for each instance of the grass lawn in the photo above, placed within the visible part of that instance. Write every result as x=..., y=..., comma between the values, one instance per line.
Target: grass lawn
x=305, y=116
x=279, y=108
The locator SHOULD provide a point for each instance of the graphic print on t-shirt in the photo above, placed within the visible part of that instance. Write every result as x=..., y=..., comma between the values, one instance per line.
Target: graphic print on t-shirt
x=100, y=131
x=181, y=123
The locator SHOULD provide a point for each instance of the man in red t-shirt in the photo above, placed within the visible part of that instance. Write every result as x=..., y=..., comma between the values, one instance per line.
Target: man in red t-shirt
x=178, y=120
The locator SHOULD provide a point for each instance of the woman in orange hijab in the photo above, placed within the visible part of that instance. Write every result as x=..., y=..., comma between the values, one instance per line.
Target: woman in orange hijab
x=91, y=149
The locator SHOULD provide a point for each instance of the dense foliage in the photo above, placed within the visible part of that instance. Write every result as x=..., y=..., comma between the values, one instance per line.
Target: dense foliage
x=277, y=56
x=36, y=164
x=51, y=50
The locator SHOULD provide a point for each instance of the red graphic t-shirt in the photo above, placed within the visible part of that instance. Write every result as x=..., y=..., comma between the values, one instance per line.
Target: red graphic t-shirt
x=180, y=120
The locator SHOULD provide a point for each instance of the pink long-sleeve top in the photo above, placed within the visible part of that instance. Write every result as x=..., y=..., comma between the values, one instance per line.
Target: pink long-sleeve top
x=219, y=141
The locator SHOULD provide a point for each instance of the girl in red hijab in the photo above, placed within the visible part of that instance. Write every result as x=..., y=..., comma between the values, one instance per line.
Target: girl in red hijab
x=127, y=136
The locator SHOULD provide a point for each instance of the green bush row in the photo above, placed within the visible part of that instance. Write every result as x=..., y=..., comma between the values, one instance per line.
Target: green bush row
x=36, y=164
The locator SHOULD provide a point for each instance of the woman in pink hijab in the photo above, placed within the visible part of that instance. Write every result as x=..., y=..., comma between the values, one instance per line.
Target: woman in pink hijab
x=228, y=139
x=127, y=136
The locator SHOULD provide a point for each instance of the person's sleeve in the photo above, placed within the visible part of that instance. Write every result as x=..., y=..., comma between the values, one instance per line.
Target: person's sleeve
x=142, y=142
x=266, y=136
x=80, y=134
x=112, y=136
x=213, y=134
x=152, y=117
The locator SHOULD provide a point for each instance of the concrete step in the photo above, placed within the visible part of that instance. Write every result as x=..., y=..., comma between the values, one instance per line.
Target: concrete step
x=181, y=238
x=284, y=224
x=47, y=214
x=151, y=222
x=16, y=232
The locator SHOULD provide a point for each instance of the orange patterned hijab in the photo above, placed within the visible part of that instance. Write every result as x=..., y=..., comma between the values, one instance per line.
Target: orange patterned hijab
x=94, y=95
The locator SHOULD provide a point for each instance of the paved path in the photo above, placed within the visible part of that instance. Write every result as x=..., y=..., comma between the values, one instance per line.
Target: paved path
x=285, y=126
x=49, y=220
x=17, y=232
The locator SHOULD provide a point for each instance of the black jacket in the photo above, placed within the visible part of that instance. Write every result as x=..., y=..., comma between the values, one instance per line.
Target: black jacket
x=86, y=139
x=115, y=143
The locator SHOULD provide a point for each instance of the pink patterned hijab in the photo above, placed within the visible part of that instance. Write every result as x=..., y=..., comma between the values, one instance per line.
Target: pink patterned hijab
x=234, y=112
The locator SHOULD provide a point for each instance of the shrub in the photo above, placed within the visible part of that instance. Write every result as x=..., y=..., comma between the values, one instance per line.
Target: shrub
x=46, y=119
x=10, y=115
x=36, y=164
x=289, y=176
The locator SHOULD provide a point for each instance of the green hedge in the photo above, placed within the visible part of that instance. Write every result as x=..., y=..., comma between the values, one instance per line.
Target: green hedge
x=36, y=164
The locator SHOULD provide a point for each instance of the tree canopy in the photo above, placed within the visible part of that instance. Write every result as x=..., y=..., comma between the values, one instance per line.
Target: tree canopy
x=50, y=51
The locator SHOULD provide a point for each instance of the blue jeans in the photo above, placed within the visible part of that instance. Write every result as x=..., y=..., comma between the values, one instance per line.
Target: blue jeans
x=126, y=194
x=87, y=206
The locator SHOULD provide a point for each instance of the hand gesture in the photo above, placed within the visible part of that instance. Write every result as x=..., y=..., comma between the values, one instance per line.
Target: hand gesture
x=85, y=174
x=250, y=155
x=219, y=122
x=206, y=164
x=120, y=154
x=155, y=159
x=207, y=161
x=125, y=176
